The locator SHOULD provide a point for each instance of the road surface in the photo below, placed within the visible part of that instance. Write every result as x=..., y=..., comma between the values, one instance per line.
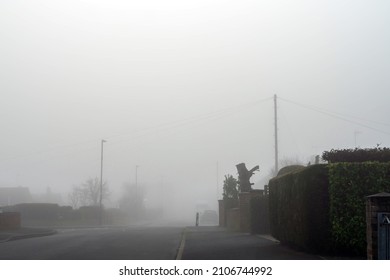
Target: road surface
x=115, y=243
x=148, y=243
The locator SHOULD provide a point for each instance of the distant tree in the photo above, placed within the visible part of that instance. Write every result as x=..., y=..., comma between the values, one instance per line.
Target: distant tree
x=88, y=194
x=230, y=187
x=74, y=197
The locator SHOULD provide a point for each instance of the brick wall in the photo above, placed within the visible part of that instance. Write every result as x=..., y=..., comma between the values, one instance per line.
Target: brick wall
x=375, y=204
x=10, y=220
x=233, y=219
x=222, y=213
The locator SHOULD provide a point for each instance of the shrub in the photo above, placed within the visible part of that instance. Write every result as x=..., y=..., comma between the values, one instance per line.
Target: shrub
x=357, y=155
x=230, y=188
x=349, y=184
x=299, y=208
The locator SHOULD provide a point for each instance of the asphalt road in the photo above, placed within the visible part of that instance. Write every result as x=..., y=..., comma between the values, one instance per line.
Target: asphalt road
x=115, y=243
x=149, y=243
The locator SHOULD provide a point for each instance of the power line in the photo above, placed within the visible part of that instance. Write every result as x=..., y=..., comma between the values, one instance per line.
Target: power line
x=212, y=116
x=333, y=115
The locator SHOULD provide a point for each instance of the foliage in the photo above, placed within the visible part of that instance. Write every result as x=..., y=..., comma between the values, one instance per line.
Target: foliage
x=349, y=184
x=286, y=161
x=289, y=168
x=230, y=187
x=357, y=155
x=88, y=194
x=322, y=207
x=299, y=208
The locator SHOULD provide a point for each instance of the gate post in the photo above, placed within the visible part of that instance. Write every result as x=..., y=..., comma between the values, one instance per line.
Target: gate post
x=376, y=206
x=244, y=205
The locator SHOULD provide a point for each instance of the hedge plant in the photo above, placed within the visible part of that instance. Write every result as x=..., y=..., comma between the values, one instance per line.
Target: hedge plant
x=357, y=155
x=299, y=209
x=349, y=184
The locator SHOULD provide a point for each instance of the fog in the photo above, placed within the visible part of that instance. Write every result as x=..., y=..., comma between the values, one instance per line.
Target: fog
x=184, y=90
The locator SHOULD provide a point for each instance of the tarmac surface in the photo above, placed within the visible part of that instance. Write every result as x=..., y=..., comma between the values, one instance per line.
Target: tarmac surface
x=24, y=232
x=195, y=243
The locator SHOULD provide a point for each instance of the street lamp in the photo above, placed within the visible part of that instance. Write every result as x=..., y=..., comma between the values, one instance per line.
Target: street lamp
x=136, y=177
x=136, y=192
x=101, y=182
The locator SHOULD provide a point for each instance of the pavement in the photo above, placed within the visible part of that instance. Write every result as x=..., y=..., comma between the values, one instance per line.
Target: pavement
x=216, y=243
x=24, y=232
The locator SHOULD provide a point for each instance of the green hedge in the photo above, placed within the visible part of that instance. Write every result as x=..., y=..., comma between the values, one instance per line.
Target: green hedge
x=299, y=208
x=350, y=183
x=322, y=207
x=357, y=155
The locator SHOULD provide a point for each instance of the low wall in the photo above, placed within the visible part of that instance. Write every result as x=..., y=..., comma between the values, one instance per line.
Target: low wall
x=233, y=219
x=222, y=213
x=10, y=220
x=377, y=243
x=224, y=206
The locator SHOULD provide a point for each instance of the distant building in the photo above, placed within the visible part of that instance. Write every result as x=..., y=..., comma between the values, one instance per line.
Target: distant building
x=14, y=195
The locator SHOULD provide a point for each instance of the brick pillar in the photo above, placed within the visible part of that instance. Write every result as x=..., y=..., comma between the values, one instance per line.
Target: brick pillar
x=374, y=204
x=222, y=213
x=256, y=210
x=244, y=205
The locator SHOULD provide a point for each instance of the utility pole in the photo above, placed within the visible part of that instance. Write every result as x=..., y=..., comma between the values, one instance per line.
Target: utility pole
x=276, y=134
x=101, y=182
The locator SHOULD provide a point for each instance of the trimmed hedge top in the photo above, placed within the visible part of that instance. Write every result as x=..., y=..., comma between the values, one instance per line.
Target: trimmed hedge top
x=357, y=155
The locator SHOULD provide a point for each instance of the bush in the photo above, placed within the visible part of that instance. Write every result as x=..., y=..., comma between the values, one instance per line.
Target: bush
x=357, y=155
x=230, y=188
x=299, y=208
x=350, y=183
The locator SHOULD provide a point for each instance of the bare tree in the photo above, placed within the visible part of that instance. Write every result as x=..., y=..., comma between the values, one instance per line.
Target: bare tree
x=74, y=198
x=88, y=193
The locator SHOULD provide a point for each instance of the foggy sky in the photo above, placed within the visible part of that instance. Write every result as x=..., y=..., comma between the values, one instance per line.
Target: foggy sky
x=177, y=86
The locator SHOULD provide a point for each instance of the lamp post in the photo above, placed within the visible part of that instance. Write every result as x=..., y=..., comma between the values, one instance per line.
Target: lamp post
x=136, y=177
x=137, y=204
x=101, y=182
